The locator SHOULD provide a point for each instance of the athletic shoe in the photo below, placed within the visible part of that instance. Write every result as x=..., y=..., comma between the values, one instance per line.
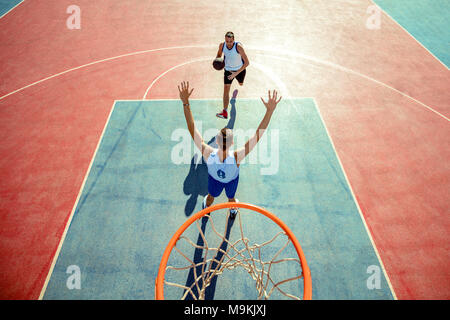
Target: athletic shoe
x=234, y=211
x=223, y=114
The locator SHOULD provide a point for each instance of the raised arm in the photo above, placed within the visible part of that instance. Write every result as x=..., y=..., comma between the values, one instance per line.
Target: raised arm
x=195, y=134
x=270, y=105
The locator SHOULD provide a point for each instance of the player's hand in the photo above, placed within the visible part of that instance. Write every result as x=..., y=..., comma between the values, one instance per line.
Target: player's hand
x=232, y=75
x=184, y=91
x=272, y=102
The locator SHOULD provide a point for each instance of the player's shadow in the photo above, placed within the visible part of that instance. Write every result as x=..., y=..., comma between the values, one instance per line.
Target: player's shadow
x=196, y=182
x=206, y=268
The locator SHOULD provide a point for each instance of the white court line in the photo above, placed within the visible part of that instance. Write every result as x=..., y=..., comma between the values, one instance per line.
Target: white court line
x=12, y=8
x=97, y=62
x=66, y=228
x=356, y=202
x=170, y=69
x=356, y=73
x=387, y=14
x=269, y=73
x=284, y=91
x=286, y=52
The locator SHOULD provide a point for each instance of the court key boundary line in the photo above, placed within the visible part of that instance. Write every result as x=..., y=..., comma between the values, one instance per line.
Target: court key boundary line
x=356, y=203
x=404, y=29
x=69, y=221
x=12, y=8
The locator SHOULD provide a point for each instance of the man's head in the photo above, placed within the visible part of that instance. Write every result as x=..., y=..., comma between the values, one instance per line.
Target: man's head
x=229, y=39
x=224, y=139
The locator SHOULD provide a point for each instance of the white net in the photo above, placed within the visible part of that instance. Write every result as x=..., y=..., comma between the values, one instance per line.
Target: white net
x=223, y=254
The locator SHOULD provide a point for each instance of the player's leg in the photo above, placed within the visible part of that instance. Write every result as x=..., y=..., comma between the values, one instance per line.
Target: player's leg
x=226, y=95
x=241, y=76
x=209, y=200
x=214, y=190
x=230, y=190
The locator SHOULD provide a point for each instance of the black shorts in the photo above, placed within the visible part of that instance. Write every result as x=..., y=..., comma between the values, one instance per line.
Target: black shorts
x=240, y=77
x=215, y=187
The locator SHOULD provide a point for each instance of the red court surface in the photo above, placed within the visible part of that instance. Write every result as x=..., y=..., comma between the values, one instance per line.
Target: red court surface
x=384, y=99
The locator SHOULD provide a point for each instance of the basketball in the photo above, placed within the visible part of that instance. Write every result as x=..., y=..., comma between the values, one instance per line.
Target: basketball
x=218, y=63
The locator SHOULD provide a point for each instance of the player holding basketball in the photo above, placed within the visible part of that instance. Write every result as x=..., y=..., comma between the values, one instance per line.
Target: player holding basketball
x=223, y=163
x=236, y=62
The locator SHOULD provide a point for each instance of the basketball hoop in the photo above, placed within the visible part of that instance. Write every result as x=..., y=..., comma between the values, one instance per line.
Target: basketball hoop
x=234, y=254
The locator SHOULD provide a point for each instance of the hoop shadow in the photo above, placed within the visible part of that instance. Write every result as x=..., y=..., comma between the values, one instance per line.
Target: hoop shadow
x=196, y=182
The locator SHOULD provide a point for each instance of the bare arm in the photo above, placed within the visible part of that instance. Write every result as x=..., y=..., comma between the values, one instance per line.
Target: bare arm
x=220, y=51
x=244, y=57
x=270, y=105
x=195, y=134
x=245, y=65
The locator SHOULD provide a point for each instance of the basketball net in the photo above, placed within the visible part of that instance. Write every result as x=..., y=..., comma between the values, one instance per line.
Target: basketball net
x=230, y=254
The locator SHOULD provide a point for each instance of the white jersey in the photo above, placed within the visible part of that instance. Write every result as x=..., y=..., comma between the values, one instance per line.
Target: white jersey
x=233, y=60
x=225, y=171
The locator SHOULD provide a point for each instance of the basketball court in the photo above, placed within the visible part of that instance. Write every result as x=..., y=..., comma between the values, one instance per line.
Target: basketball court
x=98, y=169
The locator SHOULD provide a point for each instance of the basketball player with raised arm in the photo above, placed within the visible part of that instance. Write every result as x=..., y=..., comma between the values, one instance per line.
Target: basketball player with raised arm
x=236, y=62
x=223, y=163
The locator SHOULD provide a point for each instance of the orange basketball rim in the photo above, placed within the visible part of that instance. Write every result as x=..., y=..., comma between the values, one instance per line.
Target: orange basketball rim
x=159, y=285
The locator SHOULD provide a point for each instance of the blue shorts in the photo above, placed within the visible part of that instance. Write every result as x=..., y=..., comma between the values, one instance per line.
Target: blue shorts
x=215, y=187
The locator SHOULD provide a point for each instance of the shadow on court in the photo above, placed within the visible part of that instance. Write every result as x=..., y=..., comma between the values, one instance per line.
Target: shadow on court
x=204, y=268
